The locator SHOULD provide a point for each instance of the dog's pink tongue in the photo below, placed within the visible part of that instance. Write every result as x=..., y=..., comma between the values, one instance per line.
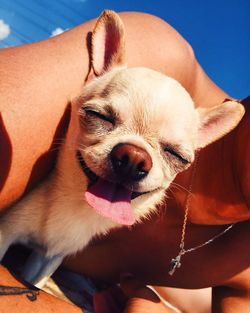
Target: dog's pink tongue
x=112, y=201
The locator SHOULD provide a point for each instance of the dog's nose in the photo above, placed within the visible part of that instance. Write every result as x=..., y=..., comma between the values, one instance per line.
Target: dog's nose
x=130, y=162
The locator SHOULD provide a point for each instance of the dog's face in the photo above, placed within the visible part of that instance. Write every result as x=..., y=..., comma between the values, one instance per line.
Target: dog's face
x=137, y=129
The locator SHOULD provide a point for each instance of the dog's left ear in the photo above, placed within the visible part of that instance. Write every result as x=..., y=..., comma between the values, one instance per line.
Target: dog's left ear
x=217, y=121
x=107, y=43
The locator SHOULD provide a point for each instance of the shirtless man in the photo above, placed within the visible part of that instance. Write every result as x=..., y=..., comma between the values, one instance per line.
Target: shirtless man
x=38, y=81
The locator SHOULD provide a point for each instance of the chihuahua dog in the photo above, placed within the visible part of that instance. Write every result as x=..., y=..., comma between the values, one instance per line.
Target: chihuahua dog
x=132, y=130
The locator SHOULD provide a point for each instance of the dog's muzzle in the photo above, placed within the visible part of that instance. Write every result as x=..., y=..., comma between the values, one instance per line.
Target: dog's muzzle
x=93, y=177
x=130, y=162
x=87, y=171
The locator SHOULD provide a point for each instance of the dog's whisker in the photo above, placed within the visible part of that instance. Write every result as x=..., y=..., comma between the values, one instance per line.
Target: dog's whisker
x=180, y=187
x=54, y=149
x=59, y=140
x=169, y=190
x=81, y=145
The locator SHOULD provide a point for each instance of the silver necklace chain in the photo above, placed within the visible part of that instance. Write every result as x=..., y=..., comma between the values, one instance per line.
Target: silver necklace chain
x=176, y=262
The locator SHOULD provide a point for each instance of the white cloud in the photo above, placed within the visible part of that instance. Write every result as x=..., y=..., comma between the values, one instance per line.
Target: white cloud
x=57, y=31
x=4, y=30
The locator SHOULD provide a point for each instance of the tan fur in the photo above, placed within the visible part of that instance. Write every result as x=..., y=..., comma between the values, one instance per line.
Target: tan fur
x=151, y=111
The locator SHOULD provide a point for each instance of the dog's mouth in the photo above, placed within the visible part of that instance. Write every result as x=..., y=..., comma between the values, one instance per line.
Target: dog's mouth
x=107, y=198
x=93, y=177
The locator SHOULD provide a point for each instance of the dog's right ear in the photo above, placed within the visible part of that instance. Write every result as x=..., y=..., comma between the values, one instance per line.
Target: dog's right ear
x=217, y=121
x=107, y=43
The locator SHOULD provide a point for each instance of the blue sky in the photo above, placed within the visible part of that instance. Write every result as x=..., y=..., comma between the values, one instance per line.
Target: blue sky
x=219, y=31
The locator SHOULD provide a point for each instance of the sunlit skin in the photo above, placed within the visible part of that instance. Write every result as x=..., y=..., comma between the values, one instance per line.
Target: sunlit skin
x=38, y=81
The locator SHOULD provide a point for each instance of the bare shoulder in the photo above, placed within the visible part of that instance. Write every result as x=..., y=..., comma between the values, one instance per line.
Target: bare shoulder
x=152, y=42
x=152, y=28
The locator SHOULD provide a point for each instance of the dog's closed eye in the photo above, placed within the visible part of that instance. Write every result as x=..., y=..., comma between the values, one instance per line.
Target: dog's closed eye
x=95, y=114
x=95, y=120
x=176, y=154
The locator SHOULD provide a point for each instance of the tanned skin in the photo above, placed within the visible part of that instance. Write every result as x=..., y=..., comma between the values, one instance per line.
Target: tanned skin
x=37, y=83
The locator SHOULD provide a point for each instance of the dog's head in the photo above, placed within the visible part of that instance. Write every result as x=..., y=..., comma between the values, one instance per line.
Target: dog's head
x=137, y=129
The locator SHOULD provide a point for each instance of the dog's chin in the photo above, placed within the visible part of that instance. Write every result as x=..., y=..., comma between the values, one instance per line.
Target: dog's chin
x=93, y=178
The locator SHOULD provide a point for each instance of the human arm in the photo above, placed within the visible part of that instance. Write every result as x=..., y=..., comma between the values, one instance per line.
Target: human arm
x=130, y=297
x=234, y=295
x=38, y=81
x=16, y=297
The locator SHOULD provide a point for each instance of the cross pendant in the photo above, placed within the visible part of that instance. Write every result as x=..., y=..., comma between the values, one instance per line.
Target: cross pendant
x=174, y=264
